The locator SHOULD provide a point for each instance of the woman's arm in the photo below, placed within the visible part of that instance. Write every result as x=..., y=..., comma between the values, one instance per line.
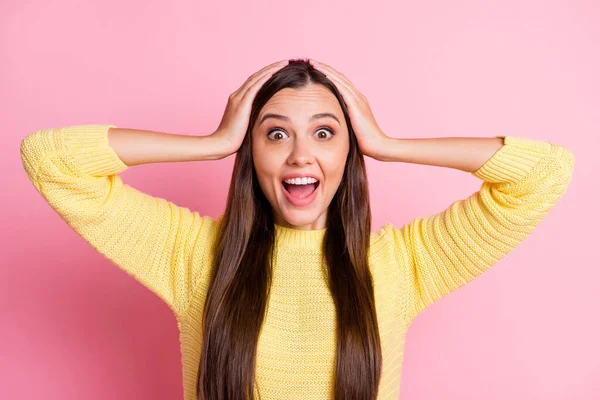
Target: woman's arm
x=522, y=181
x=464, y=153
x=136, y=147
x=76, y=170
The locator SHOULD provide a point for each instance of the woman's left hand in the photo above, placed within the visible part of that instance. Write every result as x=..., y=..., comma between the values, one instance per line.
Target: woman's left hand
x=371, y=140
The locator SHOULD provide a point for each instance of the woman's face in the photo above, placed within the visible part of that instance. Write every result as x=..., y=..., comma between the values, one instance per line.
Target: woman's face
x=292, y=144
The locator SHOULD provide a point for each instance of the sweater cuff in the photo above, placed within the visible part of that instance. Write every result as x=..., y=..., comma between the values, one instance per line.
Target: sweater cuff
x=88, y=148
x=513, y=161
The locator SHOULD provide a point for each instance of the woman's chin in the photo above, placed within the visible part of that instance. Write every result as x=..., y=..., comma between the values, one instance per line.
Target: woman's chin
x=297, y=221
x=298, y=215
x=298, y=218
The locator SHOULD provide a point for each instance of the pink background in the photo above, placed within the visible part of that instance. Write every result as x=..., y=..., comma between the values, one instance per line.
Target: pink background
x=76, y=327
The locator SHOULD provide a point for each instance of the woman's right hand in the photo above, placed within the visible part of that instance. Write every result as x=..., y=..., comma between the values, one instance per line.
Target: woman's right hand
x=233, y=126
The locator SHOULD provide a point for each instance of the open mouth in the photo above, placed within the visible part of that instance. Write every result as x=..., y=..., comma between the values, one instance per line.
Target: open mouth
x=300, y=191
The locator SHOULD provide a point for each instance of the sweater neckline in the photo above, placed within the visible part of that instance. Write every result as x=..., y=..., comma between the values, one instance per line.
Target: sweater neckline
x=302, y=238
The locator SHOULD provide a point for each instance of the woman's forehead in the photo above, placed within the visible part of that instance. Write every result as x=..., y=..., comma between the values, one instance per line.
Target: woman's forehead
x=301, y=106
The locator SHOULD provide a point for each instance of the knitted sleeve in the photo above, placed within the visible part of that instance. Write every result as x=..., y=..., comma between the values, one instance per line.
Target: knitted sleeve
x=440, y=253
x=163, y=246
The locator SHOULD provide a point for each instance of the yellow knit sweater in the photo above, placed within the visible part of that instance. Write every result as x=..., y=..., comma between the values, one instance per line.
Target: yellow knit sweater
x=169, y=249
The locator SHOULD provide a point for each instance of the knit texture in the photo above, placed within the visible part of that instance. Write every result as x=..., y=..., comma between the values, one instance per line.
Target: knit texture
x=169, y=249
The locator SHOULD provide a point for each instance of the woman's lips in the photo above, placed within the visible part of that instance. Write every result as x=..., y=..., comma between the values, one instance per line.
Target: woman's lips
x=304, y=201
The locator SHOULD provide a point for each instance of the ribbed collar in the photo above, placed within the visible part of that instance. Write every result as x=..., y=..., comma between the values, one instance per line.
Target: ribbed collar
x=299, y=238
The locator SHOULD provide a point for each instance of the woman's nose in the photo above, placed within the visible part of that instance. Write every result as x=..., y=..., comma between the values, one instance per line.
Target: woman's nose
x=301, y=153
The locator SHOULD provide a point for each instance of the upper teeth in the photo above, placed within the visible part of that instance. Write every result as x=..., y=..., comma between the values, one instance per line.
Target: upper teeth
x=300, y=181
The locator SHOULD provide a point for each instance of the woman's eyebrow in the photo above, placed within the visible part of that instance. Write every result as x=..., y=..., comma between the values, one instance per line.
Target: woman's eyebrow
x=287, y=119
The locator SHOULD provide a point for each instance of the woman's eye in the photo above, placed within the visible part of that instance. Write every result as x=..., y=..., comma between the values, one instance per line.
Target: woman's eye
x=278, y=134
x=324, y=136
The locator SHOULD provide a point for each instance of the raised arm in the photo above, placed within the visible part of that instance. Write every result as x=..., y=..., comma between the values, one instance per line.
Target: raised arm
x=165, y=247
x=522, y=181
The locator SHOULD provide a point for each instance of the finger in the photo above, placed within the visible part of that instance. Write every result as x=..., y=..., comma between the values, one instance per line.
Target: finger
x=270, y=66
x=260, y=74
x=349, y=97
x=332, y=73
x=251, y=92
x=341, y=78
x=347, y=91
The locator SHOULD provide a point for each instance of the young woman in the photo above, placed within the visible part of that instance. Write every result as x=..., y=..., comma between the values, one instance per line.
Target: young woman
x=289, y=294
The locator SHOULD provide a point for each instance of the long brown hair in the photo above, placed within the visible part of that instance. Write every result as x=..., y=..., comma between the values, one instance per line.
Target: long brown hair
x=240, y=281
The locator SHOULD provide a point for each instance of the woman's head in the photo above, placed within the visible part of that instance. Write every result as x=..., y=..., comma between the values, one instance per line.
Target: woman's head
x=299, y=126
x=283, y=139
x=300, y=131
